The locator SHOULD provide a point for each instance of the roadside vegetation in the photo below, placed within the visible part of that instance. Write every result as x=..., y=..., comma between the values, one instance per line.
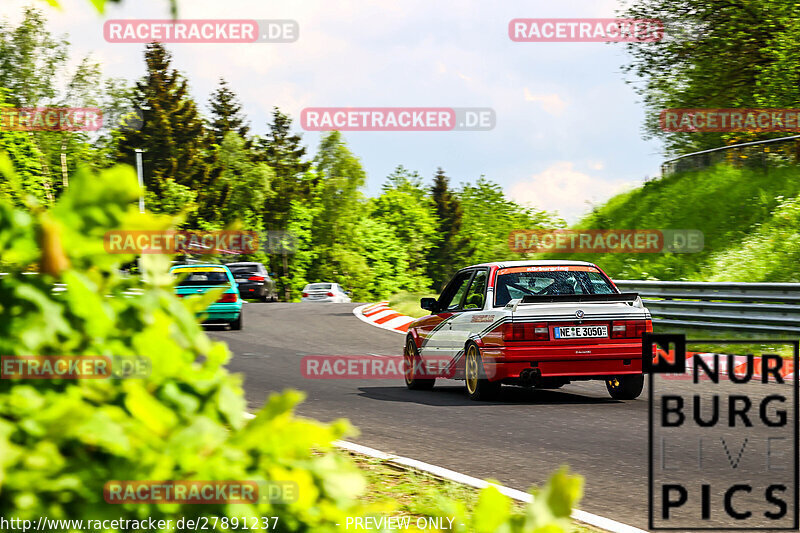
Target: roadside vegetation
x=749, y=217
x=183, y=421
x=415, y=494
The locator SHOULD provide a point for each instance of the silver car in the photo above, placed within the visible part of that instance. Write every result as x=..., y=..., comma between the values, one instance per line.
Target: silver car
x=325, y=292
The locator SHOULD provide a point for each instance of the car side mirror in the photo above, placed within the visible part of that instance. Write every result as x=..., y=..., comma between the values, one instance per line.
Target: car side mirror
x=348, y=292
x=429, y=304
x=272, y=274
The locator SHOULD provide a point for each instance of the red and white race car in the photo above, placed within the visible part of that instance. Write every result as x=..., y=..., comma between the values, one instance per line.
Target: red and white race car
x=529, y=323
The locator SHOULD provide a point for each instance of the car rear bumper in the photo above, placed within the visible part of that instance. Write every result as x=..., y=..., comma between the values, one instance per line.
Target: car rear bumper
x=565, y=360
x=251, y=289
x=227, y=312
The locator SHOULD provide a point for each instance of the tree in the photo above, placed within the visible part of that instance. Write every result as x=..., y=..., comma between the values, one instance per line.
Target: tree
x=453, y=249
x=25, y=157
x=239, y=189
x=340, y=177
x=283, y=152
x=226, y=113
x=489, y=217
x=172, y=134
x=405, y=206
x=29, y=58
x=716, y=54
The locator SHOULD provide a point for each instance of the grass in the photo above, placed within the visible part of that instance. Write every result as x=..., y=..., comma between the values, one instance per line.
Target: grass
x=415, y=494
x=408, y=303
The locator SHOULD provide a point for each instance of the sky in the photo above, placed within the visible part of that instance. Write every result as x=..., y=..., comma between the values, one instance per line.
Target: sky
x=568, y=131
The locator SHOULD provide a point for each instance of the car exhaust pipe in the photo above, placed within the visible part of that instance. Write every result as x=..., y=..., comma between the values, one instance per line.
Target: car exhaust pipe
x=530, y=377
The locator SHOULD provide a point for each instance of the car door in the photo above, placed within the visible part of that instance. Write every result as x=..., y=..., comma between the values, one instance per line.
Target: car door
x=468, y=321
x=438, y=344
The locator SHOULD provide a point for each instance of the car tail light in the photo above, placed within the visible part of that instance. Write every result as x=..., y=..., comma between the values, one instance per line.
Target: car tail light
x=331, y=294
x=630, y=329
x=305, y=295
x=255, y=278
x=228, y=298
x=526, y=331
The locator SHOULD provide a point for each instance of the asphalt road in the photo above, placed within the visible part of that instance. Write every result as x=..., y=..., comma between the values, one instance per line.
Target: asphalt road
x=518, y=440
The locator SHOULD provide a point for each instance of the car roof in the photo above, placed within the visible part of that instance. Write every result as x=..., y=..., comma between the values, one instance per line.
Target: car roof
x=506, y=264
x=243, y=263
x=197, y=265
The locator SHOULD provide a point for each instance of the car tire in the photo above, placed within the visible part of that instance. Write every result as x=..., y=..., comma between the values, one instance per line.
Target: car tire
x=479, y=388
x=265, y=297
x=236, y=325
x=625, y=387
x=411, y=361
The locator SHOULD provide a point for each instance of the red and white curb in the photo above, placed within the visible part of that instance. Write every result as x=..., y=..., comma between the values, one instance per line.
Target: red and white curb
x=451, y=475
x=381, y=315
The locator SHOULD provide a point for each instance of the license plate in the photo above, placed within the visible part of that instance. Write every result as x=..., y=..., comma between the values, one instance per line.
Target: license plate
x=575, y=332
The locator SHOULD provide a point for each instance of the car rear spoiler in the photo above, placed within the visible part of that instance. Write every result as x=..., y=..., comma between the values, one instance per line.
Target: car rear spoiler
x=623, y=297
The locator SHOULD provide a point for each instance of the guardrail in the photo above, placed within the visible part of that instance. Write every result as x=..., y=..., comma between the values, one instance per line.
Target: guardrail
x=755, y=307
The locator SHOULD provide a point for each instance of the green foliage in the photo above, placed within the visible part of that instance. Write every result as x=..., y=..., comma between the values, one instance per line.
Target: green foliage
x=671, y=203
x=183, y=422
x=716, y=54
x=405, y=206
x=453, y=249
x=172, y=134
x=226, y=114
x=770, y=253
x=238, y=189
x=62, y=440
x=283, y=152
x=489, y=217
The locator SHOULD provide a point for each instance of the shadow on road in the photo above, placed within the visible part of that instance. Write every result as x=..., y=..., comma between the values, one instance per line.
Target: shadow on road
x=450, y=396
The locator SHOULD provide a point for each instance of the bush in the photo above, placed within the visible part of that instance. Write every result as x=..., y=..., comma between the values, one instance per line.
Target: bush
x=62, y=440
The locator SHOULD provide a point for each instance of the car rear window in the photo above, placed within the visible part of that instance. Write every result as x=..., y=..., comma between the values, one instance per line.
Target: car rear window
x=515, y=283
x=319, y=287
x=244, y=269
x=195, y=277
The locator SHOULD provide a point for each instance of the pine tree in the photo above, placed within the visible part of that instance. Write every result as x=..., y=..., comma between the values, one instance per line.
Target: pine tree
x=283, y=152
x=172, y=135
x=226, y=114
x=446, y=257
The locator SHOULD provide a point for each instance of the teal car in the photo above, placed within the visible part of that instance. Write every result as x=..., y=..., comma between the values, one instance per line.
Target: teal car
x=197, y=279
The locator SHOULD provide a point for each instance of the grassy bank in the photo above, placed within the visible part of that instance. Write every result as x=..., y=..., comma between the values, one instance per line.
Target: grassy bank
x=749, y=225
x=408, y=303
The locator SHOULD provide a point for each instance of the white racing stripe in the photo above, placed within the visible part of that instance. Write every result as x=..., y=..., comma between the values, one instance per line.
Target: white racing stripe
x=451, y=475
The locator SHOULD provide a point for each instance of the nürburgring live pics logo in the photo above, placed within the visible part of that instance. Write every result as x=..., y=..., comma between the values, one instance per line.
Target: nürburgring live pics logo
x=723, y=441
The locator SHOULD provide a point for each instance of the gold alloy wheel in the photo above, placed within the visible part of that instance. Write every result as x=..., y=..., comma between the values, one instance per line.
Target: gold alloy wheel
x=471, y=370
x=613, y=383
x=408, y=359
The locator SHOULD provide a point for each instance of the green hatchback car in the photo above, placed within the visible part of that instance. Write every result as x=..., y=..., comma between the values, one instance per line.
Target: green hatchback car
x=197, y=279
